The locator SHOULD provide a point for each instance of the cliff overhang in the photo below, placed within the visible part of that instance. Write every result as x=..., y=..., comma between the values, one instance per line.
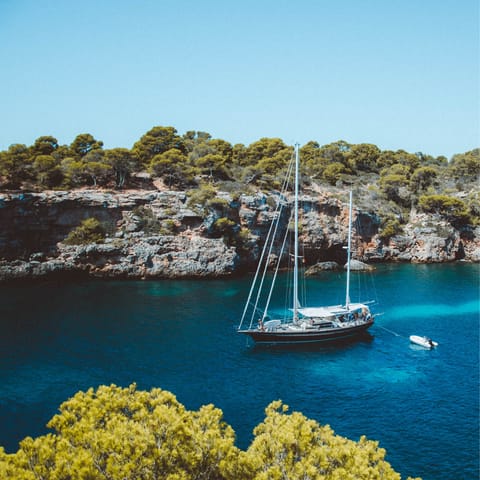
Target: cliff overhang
x=34, y=226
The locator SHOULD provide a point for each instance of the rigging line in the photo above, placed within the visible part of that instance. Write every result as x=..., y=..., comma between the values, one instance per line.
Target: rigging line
x=303, y=282
x=391, y=331
x=277, y=223
x=278, y=210
x=287, y=294
x=254, y=283
x=295, y=260
x=370, y=285
x=253, y=306
x=286, y=180
x=349, y=251
x=354, y=256
x=274, y=278
x=268, y=245
x=303, y=286
x=288, y=290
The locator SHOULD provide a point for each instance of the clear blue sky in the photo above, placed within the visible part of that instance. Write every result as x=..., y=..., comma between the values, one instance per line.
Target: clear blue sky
x=396, y=73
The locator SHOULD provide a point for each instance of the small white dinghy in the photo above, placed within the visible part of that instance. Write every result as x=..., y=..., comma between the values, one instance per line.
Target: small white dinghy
x=423, y=341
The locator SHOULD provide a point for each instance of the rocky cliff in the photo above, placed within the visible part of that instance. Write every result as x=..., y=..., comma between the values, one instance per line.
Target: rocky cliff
x=184, y=243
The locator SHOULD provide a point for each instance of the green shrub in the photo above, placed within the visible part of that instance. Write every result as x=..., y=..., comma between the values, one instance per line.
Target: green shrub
x=473, y=204
x=390, y=227
x=89, y=231
x=168, y=227
x=333, y=172
x=200, y=196
x=454, y=209
x=422, y=178
x=148, y=222
x=169, y=212
x=224, y=227
x=218, y=204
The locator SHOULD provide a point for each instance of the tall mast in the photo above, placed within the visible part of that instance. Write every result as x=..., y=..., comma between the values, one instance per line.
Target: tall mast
x=347, y=295
x=295, y=268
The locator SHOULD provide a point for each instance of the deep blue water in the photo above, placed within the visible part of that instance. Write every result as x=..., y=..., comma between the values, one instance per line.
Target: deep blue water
x=422, y=406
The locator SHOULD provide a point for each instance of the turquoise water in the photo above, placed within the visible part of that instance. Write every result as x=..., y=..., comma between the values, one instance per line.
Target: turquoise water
x=422, y=406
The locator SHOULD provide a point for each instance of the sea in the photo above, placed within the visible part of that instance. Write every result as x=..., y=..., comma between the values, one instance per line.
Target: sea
x=422, y=406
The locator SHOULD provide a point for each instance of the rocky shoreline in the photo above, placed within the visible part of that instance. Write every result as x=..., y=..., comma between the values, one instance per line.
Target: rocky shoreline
x=186, y=245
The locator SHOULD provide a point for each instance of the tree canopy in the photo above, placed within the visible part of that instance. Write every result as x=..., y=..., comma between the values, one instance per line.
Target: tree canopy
x=155, y=141
x=119, y=433
x=397, y=179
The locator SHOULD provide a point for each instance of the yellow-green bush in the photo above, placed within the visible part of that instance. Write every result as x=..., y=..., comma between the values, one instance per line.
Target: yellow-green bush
x=124, y=433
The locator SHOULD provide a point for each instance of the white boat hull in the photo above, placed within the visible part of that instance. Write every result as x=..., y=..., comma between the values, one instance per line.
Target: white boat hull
x=424, y=342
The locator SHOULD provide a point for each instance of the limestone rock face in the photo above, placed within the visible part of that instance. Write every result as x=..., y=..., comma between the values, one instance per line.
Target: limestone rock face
x=357, y=265
x=151, y=257
x=156, y=234
x=429, y=239
x=155, y=256
x=321, y=267
x=33, y=222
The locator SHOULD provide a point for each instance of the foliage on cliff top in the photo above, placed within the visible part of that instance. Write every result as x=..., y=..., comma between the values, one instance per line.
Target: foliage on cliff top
x=117, y=433
x=180, y=158
x=189, y=160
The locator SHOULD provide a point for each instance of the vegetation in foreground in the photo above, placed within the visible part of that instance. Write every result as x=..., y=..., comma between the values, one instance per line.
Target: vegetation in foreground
x=119, y=433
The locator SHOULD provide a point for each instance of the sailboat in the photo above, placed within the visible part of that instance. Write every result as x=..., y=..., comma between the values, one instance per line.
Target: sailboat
x=302, y=324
